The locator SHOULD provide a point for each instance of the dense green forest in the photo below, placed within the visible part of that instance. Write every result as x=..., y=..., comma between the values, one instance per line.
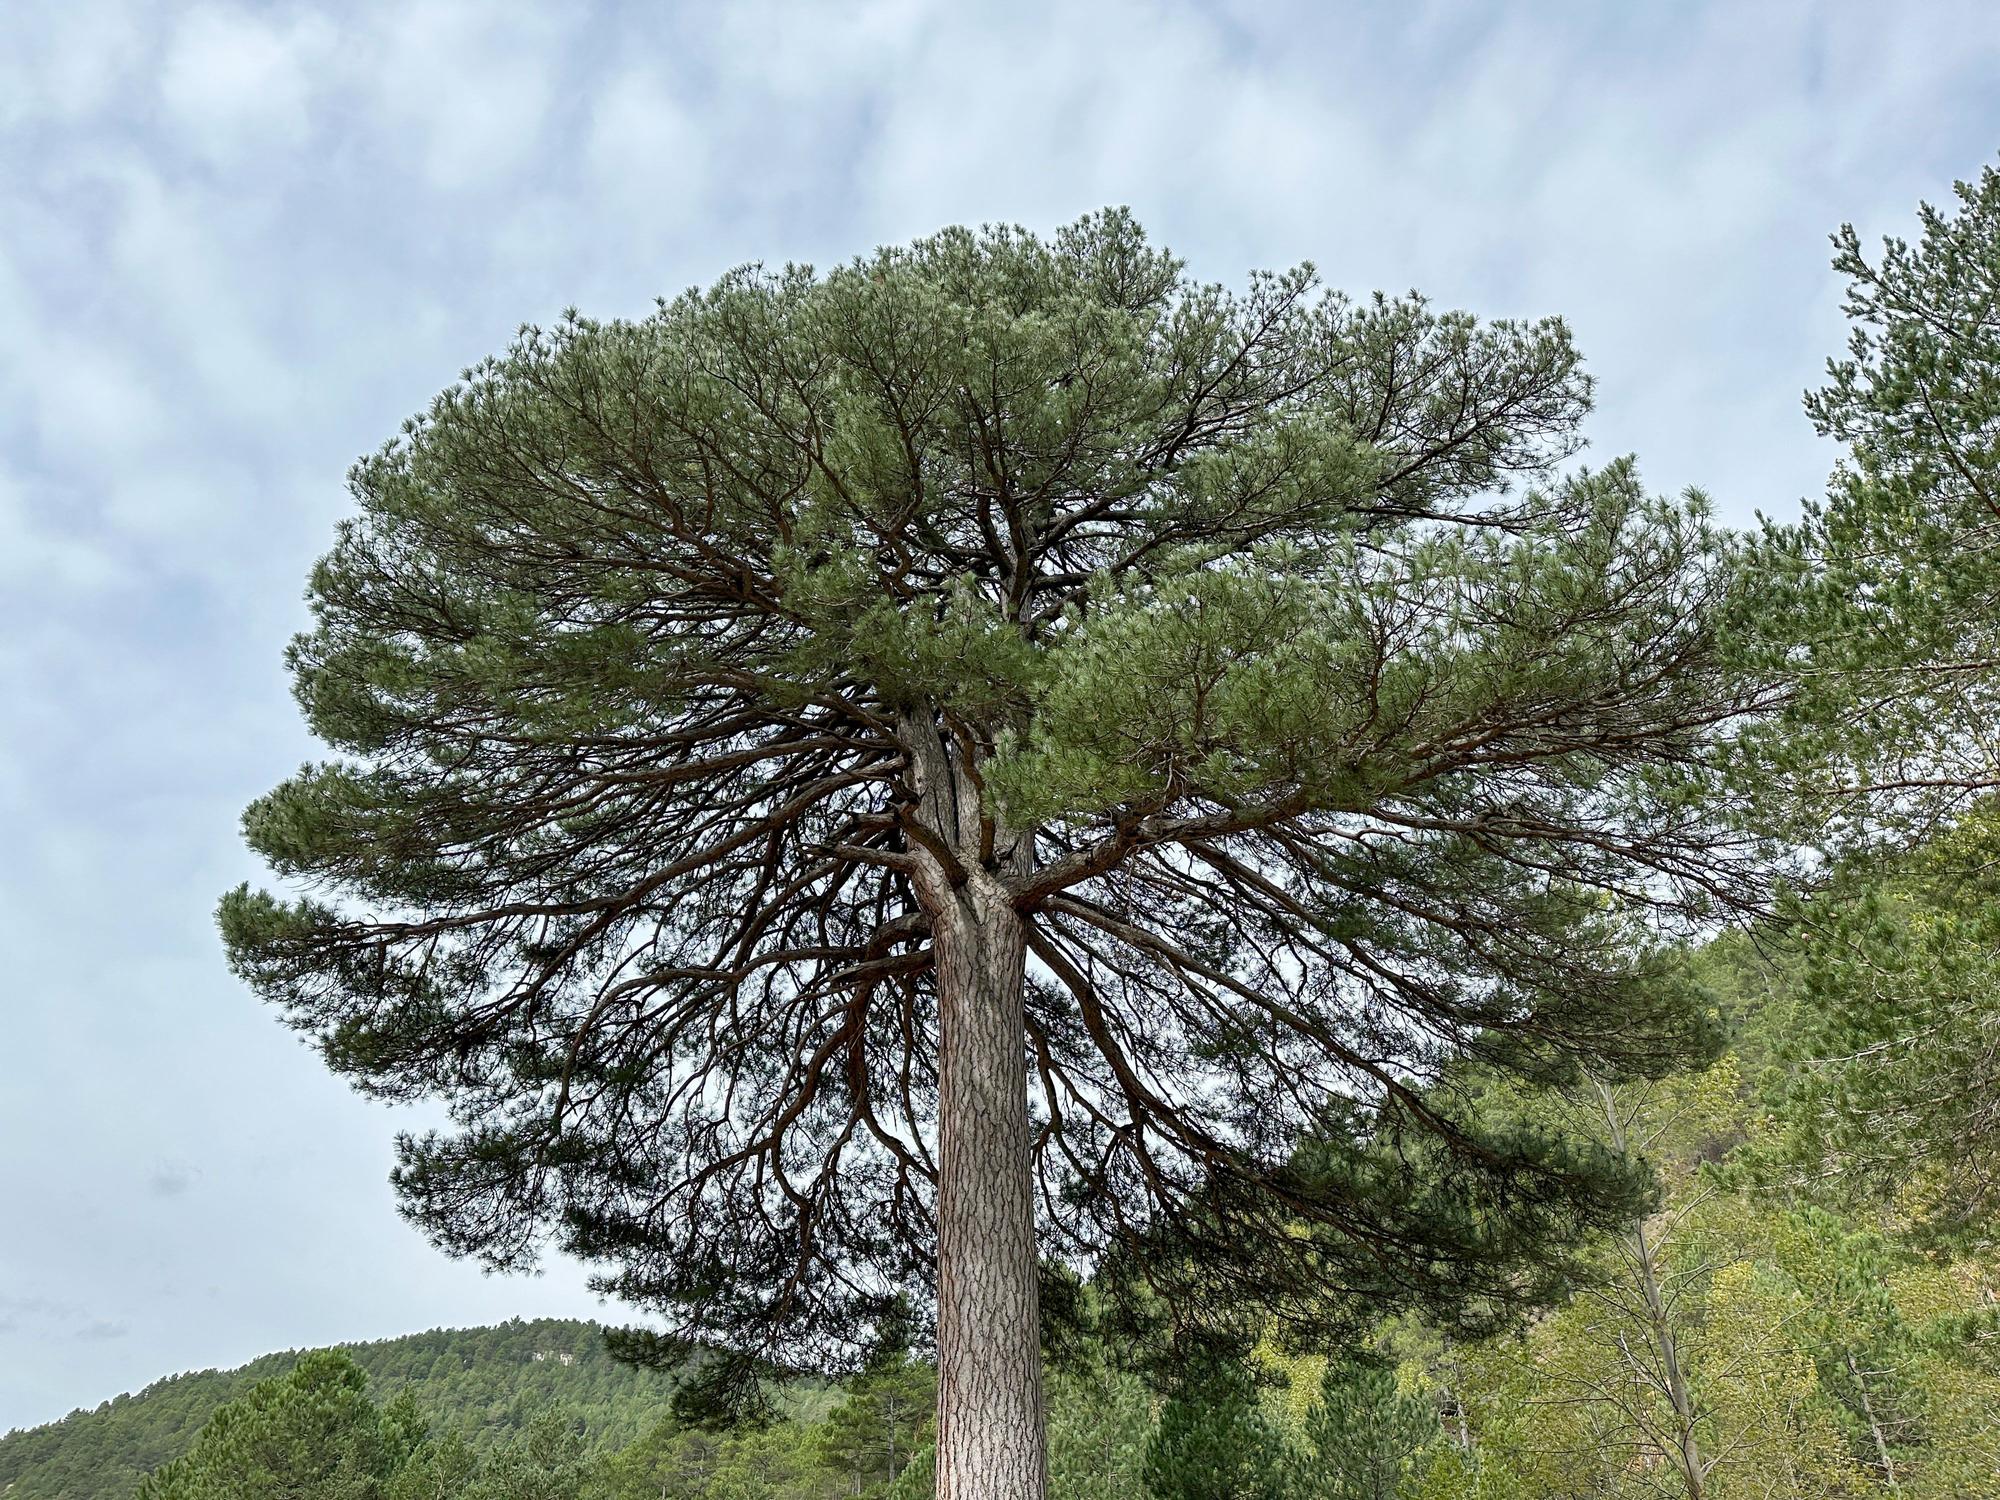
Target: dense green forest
x=486, y=1382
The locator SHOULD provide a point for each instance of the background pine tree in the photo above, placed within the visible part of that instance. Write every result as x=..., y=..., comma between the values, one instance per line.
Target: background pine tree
x=1213, y=1441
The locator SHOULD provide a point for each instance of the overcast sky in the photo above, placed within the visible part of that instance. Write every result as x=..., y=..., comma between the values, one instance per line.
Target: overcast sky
x=238, y=243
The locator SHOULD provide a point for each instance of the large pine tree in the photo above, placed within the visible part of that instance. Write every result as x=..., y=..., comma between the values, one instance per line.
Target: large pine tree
x=1896, y=623
x=851, y=758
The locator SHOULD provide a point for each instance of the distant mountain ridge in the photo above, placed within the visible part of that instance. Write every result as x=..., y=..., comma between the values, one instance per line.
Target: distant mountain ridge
x=486, y=1382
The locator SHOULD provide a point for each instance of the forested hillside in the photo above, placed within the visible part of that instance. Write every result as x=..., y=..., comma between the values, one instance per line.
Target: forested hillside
x=486, y=1382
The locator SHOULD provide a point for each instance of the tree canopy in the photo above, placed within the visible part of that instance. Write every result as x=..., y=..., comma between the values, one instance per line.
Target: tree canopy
x=1227, y=700
x=1890, y=743
x=1901, y=576
x=311, y=1434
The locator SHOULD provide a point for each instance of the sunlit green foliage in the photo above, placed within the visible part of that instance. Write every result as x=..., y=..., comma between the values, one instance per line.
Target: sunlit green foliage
x=1893, y=1084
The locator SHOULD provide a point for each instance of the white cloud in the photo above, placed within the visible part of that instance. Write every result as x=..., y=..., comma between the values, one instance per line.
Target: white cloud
x=464, y=89
x=643, y=143
x=239, y=83
x=805, y=53
x=39, y=555
x=61, y=63
x=204, y=273
x=95, y=403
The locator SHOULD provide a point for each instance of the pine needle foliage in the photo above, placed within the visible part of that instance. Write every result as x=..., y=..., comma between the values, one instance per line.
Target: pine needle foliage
x=1893, y=619
x=1320, y=725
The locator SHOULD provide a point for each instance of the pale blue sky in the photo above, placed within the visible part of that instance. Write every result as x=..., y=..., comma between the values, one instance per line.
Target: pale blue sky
x=239, y=242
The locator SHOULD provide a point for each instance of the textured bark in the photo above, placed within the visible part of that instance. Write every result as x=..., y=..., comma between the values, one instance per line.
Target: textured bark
x=990, y=1425
x=991, y=1436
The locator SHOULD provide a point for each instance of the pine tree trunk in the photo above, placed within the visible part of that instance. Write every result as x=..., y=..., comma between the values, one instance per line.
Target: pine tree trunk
x=991, y=1440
